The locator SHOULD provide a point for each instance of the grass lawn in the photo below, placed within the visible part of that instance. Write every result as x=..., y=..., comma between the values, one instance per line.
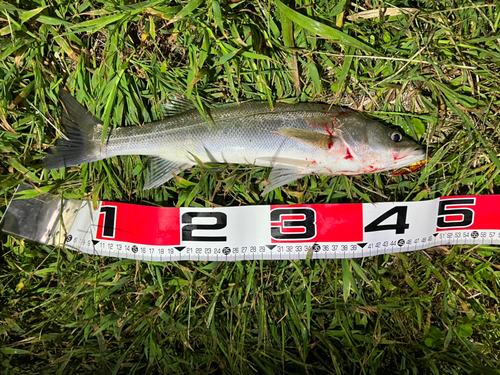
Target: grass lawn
x=430, y=67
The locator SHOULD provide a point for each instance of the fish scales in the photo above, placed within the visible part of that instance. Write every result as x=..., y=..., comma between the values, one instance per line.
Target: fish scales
x=237, y=135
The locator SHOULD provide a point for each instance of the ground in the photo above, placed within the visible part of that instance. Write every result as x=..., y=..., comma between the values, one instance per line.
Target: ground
x=430, y=67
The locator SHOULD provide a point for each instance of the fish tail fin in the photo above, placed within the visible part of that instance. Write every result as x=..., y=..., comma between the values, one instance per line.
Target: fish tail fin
x=79, y=126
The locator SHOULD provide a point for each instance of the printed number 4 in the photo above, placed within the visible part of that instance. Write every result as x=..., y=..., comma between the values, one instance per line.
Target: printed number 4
x=400, y=227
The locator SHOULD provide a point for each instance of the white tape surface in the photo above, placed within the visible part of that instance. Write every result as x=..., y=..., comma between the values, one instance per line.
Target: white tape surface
x=283, y=232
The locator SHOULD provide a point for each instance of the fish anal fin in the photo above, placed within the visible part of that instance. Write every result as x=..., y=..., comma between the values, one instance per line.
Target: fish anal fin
x=281, y=175
x=316, y=139
x=161, y=170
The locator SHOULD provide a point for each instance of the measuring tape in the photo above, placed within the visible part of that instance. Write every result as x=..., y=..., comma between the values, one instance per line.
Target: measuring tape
x=275, y=232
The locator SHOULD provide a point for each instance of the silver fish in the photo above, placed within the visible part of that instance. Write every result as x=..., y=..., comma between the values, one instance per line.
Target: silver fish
x=295, y=139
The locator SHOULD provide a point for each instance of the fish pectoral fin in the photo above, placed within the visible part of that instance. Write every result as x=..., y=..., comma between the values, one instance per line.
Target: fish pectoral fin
x=286, y=161
x=281, y=175
x=310, y=137
x=161, y=170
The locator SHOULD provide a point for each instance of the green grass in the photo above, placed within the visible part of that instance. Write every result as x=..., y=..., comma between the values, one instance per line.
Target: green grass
x=435, y=73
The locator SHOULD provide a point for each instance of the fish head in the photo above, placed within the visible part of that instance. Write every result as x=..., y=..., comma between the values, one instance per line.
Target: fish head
x=378, y=147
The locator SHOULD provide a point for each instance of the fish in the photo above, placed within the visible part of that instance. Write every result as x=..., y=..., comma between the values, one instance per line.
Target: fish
x=296, y=140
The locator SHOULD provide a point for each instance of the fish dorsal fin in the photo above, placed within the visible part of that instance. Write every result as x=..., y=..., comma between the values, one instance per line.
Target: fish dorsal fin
x=178, y=105
x=310, y=137
x=161, y=170
x=280, y=175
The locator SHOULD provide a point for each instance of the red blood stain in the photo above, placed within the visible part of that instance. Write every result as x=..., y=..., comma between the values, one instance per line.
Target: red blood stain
x=396, y=156
x=324, y=125
x=329, y=170
x=341, y=113
x=349, y=155
x=335, y=120
x=314, y=162
x=370, y=169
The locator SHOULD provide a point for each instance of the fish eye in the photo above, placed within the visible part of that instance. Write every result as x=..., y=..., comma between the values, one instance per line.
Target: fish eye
x=396, y=136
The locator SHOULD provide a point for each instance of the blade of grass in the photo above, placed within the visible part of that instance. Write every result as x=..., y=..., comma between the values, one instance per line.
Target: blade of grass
x=323, y=30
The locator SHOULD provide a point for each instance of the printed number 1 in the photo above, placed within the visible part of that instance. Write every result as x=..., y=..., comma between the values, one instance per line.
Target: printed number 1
x=109, y=222
x=401, y=225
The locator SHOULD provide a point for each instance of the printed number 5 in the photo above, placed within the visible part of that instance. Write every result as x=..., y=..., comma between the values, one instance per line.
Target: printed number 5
x=466, y=214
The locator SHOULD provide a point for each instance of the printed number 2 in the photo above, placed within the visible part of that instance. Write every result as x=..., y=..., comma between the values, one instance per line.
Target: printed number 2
x=400, y=225
x=187, y=230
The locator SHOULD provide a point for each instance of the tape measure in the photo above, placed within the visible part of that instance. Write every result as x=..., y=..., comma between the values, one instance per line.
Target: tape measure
x=275, y=232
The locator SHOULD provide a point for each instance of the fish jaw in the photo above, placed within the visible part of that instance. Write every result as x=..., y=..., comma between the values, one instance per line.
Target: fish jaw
x=403, y=160
x=412, y=168
x=406, y=157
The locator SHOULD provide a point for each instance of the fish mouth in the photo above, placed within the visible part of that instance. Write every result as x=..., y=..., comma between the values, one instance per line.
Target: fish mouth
x=412, y=168
x=410, y=162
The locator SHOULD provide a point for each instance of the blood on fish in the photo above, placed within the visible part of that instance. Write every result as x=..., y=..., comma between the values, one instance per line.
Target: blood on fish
x=349, y=155
x=342, y=113
x=335, y=120
x=370, y=169
x=324, y=125
x=396, y=156
x=333, y=127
